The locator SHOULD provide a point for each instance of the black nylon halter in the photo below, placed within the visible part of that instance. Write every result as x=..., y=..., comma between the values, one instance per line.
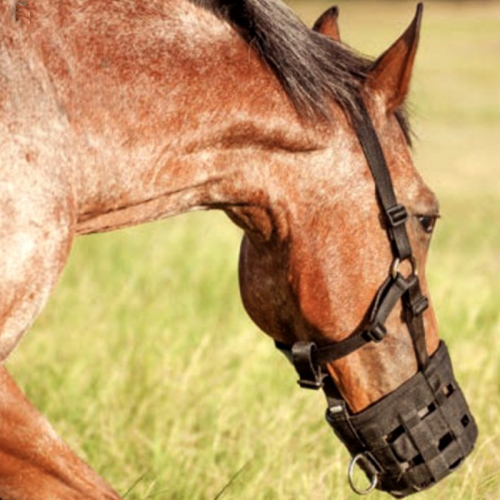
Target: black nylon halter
x=414, y=303
x=310, y=359
x=418, y=434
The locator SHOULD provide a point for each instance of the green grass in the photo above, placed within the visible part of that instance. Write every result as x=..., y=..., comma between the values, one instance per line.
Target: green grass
x=147, y=364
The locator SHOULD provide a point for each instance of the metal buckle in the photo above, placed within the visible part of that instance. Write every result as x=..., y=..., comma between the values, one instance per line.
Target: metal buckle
x=397, y=263
x=397, y=215
x=310, y=384
x=310, y=375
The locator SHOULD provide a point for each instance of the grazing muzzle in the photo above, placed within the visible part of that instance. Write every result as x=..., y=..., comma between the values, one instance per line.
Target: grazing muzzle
x=421, y=432
x=412, y=438
x=407, y=441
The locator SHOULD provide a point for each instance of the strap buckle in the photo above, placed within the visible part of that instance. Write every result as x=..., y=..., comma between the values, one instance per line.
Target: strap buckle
x=310, y=374
x=397, y=215
x=415, y=301
x=397, y=263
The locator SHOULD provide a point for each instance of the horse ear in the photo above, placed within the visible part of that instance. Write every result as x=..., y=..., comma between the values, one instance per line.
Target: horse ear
x=327, y=24
x=391, y=73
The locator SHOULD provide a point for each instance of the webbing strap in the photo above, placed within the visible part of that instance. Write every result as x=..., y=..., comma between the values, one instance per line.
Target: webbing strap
x=395, y=214
x=414, y=304
x=389, y=295
x=309, y=359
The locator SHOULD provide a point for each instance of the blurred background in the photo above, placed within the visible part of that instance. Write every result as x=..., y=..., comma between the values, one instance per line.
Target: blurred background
x=147, y=364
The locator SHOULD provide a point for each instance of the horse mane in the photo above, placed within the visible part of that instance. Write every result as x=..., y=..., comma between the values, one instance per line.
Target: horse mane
x=311, y=68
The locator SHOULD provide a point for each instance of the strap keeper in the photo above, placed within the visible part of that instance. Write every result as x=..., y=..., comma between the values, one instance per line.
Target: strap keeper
x=310, y=376
x=420, y=305
x=416, y=302
x=397, y=215
x=376, y=332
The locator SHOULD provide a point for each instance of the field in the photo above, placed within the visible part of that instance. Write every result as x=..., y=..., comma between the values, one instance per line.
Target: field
x=146, y=363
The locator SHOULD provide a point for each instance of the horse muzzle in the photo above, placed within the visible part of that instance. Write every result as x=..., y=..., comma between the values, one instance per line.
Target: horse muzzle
x=413, y=437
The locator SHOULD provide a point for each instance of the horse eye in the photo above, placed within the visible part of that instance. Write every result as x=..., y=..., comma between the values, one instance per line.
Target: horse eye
x=428, y=222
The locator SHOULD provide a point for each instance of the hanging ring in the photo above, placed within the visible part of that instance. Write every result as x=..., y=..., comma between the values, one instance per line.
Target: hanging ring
x=397, y=263
x=350, y=476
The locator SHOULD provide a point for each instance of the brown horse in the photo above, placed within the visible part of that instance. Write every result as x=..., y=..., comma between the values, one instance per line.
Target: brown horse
x=118, y=112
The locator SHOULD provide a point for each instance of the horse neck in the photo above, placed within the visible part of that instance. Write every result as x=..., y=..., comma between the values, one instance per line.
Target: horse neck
x=169, y=112
x=7, y=10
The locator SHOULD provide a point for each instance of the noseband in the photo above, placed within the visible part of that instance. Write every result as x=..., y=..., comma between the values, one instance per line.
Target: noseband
x=421, y=432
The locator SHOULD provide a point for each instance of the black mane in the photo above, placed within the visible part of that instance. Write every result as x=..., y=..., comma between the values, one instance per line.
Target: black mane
x=312, y=68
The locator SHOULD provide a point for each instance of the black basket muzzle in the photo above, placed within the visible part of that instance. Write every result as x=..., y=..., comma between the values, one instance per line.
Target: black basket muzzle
x=413, y=437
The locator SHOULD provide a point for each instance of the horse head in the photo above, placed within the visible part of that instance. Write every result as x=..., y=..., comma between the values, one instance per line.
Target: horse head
x=326, y=289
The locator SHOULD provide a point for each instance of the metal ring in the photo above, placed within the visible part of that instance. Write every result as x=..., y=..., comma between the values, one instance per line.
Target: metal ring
x=350, y=476
x=397, y=263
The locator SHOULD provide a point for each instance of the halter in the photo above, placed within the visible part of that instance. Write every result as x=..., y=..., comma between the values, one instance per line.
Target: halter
x=422, y=431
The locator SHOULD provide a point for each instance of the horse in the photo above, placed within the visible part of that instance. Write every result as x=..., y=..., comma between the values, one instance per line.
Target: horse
x=118, y=112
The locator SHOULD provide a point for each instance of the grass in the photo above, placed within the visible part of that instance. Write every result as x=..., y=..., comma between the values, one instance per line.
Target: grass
x=146, y=363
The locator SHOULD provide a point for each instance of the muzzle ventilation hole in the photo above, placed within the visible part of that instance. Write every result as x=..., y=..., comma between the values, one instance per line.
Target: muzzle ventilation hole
x=425, y=412
x=448, y=390
x=393, y=436
x=445, y=441
x=465, y=421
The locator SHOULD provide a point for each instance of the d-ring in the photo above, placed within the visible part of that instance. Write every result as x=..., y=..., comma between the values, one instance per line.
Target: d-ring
x=350, y=475
x=397, y=262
